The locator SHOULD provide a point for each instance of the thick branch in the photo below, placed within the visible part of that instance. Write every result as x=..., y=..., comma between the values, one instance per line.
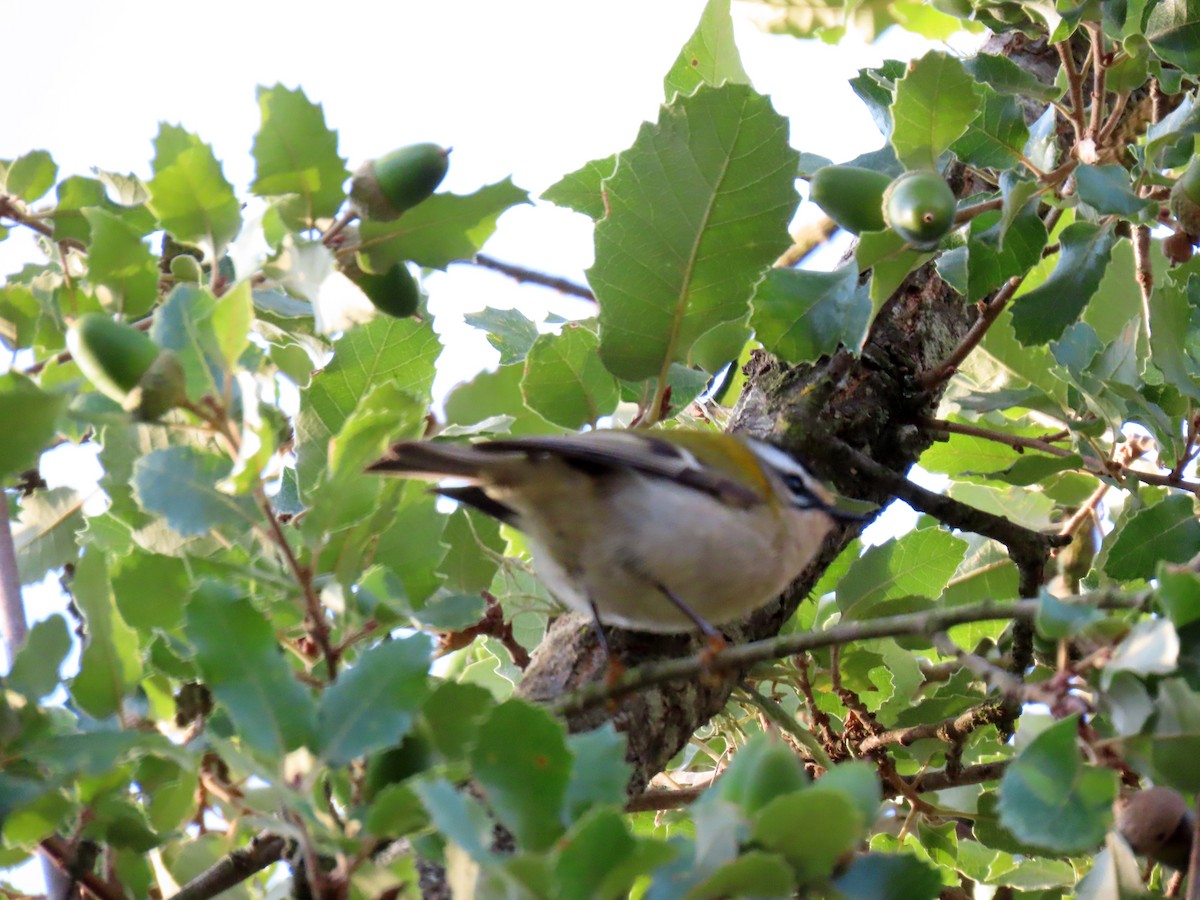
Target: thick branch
x=263, y=850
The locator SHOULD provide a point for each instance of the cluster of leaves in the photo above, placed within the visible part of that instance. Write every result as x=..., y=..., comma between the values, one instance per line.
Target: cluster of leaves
x=255, y=610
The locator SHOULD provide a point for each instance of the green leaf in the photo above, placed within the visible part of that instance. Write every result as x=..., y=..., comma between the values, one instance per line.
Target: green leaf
x=1108, y=190
x=800, y=315
x=752, y=874
x=296, y=153
x=565, y=382
x=372, y=705
x=231, y=320
x=492, y=401
x=110, y=665
x=878, y=876
x=1042, y=314
x=813, y=852
x=508, y=330
x=45, y=536
x=189, y=193
x=1056, y=619
x=1178, y=595
x=1170, y=328
x=997, y=136
x=599, y=772
x=935, y=101
x=31, y=175
x=454, y=713
x=1114, y=875
x=118, y=260
x=1165, y=532
x=600, y=859
x=1049, y=798
x=1004, y=76
x=180, y=484
x=521, y=745
x=398, y=352
x=475, y=548
x=34, y=671
x=919, y=563
x=698, y=208
x=37, y=412
x=710, y=55
x=581, y=190
x=1173, y=29
x=243, y=665
x=1175, y=745
x=458, y=816
x=439, y=230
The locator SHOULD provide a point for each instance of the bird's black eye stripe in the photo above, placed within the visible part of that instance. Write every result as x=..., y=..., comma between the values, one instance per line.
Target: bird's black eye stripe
x=801, y=495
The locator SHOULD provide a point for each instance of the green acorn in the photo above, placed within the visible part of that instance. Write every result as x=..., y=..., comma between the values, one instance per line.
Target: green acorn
x=186, y=268
x=851, y=196
x=1185, y=198
x=125, y=365
x=384, y=188
x=395, y=292
x=919, y=206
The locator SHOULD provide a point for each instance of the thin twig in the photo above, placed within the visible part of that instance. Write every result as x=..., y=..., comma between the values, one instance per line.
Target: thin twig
x=59, y=853
x=952, y=730
x=988, y=314
x=1099, y=74
x=232, y=869
x=530, y=276
x=922, y=623
x=805, y=240
x=1074, y=85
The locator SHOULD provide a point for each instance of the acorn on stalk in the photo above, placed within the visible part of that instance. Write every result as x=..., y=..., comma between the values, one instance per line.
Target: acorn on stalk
x=919, y=206
x=126, y=366
x=383, y=188
x=394, y=292
x=851, y=196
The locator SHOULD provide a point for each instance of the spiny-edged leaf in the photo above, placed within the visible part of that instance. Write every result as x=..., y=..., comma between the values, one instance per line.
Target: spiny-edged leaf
x=110, y=665
x=1108, y=190
x=508, y=330
x=31, y=175
x=1173, y=30
x=1045, y=312
x=1050, y=798
x=192, y=199
x=170, y=141
x=521, y=745
x=698, y=207
x=475, y=547
x=565, y=382
x=710, y=55
x=119, y=260
x=19, y=315
x=1165, y=532
x=890, y=259
x=1004, y=76
x=151, y=590
x=454, y=712
x=935, y=102
x=22, y=401
x=997, y=252
x=180, y=485
x=581, y=190
x=231, y=319
x=183, y=324
x=295, y=152
x=1175, y=745
x=45, y=534
x=34, y=671
x=799, y=315
x=372, y=705
x=399, y=351
x=439, y=230
x=919, y=563
x=243, y=665
x=889, y=876
x=998, y=134
x=1178, y=595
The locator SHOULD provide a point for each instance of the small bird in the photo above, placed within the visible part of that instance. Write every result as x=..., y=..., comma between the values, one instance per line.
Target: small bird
x=664, y=531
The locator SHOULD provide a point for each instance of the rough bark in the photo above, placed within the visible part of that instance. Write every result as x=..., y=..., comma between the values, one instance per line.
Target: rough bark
x=870, y=403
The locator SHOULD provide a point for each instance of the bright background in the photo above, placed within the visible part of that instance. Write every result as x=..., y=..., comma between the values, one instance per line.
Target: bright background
x=528, y=88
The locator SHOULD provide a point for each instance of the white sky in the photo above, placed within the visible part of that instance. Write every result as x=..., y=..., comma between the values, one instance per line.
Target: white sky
x=531, y=88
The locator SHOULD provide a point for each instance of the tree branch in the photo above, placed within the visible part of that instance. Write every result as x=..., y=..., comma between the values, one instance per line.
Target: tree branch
x=927, y=622
x=263, y=850
x=530, y=276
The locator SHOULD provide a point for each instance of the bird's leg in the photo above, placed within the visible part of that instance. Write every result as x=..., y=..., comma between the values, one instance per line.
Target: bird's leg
x=716, y=640
x=615, y=668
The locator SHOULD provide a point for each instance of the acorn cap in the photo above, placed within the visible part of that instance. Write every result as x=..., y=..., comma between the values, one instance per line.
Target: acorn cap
x=383, y=188
x=162, y=388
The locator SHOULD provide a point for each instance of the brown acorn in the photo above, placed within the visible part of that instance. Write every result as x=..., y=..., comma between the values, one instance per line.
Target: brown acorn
x=1158, y=824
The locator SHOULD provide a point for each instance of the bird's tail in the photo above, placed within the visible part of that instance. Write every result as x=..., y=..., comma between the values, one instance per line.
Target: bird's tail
x=433, y=460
